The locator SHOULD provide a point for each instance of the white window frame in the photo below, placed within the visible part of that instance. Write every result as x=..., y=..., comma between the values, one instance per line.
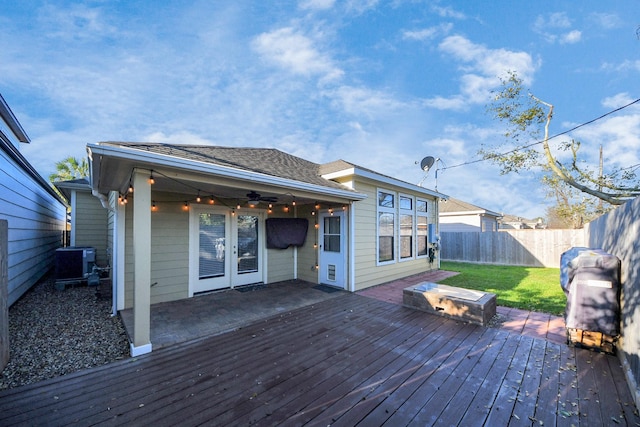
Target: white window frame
x=412, y=213
x=393, y=211
x=422, y=215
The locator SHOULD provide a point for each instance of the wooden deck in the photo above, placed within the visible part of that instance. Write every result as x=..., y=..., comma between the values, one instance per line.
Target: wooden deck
x=348, y=361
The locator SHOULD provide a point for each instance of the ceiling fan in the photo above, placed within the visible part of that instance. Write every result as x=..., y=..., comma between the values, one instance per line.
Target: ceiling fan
x=255, y=199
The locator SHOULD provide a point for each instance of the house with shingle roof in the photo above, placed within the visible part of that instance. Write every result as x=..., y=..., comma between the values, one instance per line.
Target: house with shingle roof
x=460, y=216
x=190, y=219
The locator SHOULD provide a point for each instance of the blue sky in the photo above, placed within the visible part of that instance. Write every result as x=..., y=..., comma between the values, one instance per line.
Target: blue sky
x=378, y=83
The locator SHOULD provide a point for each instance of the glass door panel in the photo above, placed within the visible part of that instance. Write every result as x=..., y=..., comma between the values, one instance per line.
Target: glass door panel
x=247, y=244
x=212, y=241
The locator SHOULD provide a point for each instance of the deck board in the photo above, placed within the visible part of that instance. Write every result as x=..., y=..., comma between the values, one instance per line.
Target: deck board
x=348, y=361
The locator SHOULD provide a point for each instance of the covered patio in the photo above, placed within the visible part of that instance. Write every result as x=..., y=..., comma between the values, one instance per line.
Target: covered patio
x=226, y=310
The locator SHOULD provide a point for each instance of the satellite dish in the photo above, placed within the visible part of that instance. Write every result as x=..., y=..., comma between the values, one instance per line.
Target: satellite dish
x=426, y=163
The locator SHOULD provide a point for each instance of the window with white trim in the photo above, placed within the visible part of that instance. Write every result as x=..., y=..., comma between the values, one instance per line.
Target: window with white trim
x=386, y=226
x=406, y=227
x=422, y=227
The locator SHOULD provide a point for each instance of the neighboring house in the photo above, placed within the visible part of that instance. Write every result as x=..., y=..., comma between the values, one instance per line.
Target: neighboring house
x=35, y=213
x=459, y=216
x=188, y=219
x=512, y=222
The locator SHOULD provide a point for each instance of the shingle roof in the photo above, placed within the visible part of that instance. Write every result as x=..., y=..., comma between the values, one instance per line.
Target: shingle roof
x=268, y=161
x=458, y=206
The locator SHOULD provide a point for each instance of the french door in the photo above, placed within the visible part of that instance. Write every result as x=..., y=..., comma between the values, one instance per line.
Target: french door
x=225, y=249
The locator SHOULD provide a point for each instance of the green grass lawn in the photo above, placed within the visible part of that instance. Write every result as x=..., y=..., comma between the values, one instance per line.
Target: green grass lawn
x=527, y=288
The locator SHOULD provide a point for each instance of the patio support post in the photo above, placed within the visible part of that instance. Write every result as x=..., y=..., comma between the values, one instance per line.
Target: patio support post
x=142, y=265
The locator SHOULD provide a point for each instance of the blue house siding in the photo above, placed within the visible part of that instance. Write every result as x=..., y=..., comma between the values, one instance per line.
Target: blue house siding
x=36, y=222
x=36, y=216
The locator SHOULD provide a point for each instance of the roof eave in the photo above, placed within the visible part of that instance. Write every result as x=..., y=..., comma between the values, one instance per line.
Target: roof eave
x=384, y=179
x=12, y=122
x=135, y=155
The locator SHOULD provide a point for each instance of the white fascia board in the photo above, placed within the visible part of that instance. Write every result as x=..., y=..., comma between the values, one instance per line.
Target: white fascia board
x=462, y=213
x=384, y=180
x=133, y=154
x=469, y=213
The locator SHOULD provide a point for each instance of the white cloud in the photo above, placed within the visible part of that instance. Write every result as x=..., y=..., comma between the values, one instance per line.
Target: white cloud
x=489, y=62
x=359, y=101
x=427, y=33
x=618, y=100
x=553, y=28
x=182, y=137
x=316, y=4
x=448, y=12
x=557, y=20
x=482, y=68
x=618, y=134
x=295, y=52
x=607, y=21
x=627, y=65
x=360, y=6
x=75, y=22
x=455, y=103
x=571, y=37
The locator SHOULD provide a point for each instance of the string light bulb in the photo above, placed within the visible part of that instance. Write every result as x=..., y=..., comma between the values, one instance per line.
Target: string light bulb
x=198, y=199
x=286, y=208
x=151, y=180
x=211, y=200
x=153, y=206
x=186, y=206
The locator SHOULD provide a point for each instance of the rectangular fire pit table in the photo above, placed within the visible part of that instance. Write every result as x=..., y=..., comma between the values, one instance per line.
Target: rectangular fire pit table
x=456, y=303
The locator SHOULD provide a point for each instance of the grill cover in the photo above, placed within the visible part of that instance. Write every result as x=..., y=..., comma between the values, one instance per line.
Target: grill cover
x=590, y=279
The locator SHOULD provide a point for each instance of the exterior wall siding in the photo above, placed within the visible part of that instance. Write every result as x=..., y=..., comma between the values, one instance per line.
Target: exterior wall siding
x=91, y=226
x=459, y=223
x=367, y=272
x=307, y=254
x=169, y=254
x=36, y=221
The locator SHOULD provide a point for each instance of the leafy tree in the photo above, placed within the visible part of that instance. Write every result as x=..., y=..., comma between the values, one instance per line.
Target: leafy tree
x=70, y=168
x=527, y=117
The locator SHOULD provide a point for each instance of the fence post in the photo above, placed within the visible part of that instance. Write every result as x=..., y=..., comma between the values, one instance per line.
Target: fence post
x=4, y=295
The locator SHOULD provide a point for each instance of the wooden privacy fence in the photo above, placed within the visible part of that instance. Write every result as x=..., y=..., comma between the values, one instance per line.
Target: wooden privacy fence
x=531, y=248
